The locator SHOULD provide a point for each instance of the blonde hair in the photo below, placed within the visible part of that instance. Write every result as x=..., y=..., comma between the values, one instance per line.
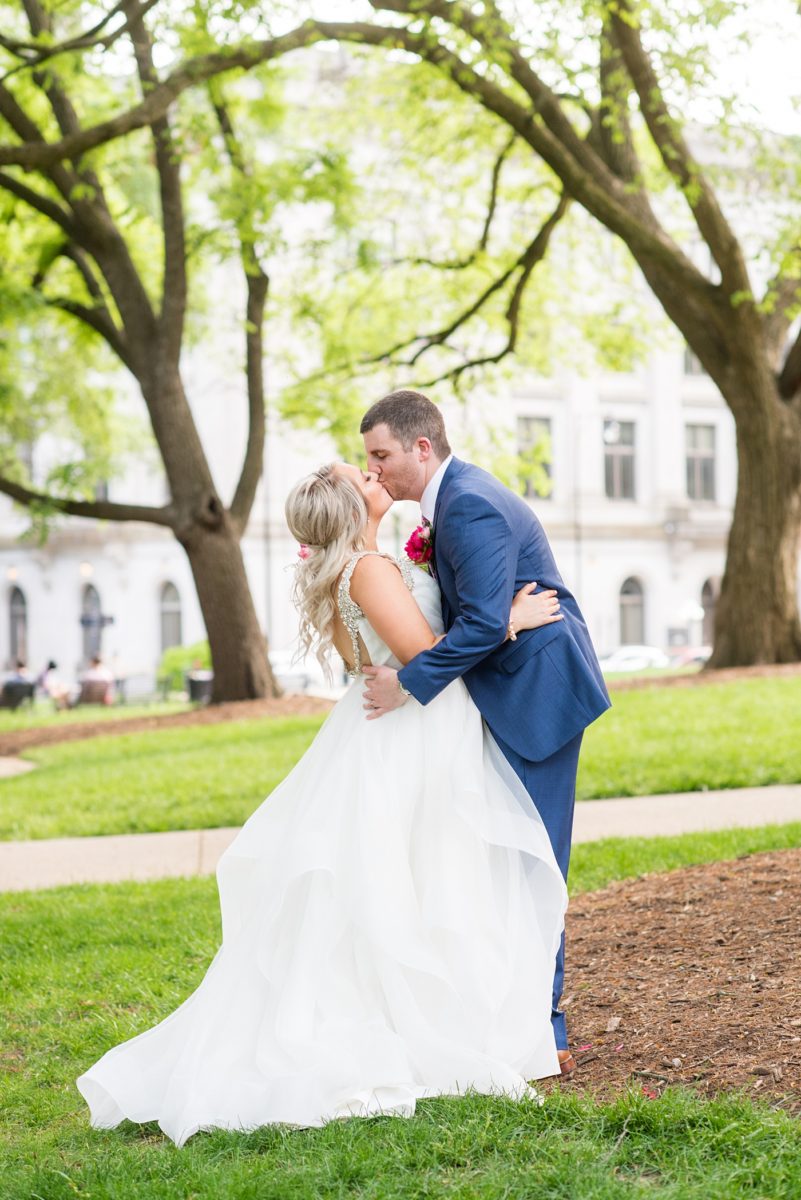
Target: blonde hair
x=327, y=513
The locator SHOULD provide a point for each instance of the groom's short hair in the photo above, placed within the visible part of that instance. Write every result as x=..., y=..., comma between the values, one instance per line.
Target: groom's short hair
x=408, y=416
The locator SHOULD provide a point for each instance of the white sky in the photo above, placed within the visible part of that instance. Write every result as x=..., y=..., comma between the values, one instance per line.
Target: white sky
x=769, y=71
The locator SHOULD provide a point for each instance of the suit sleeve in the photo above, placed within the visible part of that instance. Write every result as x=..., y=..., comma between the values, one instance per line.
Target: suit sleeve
x=480, y=547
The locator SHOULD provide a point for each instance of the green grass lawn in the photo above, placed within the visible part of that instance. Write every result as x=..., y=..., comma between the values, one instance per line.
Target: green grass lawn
x=86, y=967
x=189, y=778
x=654, y=740
x=685, y=739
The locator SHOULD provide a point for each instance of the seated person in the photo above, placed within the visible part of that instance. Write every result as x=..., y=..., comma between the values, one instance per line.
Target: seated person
x=97, y=683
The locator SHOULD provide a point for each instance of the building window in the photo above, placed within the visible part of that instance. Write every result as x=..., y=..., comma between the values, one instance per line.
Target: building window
x=534, y=449
x=692, y=363
x=170, y=604
x=632, y=613
x=619, y=459
x=18, y=618
x=91, y=622
x=701, y=462
x=709, y=599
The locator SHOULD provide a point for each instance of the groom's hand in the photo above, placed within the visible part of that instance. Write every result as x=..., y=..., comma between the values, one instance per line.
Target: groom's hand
x=382, y=693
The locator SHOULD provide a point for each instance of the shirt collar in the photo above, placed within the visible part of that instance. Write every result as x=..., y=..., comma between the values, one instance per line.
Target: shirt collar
x=428, y=500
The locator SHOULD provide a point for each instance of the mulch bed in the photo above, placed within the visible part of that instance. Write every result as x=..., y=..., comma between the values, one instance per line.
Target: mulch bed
x=44, y=735
x=694, y=678
x=690, y=977
x=16, y=742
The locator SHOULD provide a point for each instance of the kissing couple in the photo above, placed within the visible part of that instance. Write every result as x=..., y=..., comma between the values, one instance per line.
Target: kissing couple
x=393, y=913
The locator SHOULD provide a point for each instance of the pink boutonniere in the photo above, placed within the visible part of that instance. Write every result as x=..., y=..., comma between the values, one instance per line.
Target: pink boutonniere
x=420, y=545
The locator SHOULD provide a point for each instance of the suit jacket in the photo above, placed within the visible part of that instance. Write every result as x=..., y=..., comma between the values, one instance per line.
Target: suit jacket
x=535, y=693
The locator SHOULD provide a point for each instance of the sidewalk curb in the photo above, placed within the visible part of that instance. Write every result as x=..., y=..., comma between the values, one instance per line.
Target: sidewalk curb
x=55, y=862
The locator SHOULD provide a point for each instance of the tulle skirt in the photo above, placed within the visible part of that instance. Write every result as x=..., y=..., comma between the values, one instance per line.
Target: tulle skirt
x=391, y=915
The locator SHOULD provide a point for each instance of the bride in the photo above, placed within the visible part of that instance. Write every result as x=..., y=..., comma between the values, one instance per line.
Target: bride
x=390, y=914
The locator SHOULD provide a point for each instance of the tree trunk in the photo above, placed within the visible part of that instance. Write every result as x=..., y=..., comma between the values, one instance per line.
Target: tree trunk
x=238, y=648
x=757, y=618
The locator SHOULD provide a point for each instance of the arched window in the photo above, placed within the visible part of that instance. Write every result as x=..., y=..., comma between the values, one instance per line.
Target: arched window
x=91, y=622
x=709, y=599
x=170, y=604
x=632, y=613
x=18, y=618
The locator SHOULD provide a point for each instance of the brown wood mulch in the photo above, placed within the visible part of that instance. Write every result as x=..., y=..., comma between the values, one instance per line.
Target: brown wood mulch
x=291, y=705
x=691, y=977
x=694, y=678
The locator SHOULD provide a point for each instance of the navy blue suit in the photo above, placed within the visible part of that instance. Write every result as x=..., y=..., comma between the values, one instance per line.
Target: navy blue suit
x=537, y=694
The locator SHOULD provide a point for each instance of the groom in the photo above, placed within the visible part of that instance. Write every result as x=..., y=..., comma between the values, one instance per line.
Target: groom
x=537, y=691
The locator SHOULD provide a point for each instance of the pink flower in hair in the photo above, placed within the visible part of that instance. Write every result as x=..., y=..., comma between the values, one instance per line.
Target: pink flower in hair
x=304, y=551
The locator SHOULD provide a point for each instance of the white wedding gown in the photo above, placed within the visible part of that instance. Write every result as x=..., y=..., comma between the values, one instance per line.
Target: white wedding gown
x=391, y=914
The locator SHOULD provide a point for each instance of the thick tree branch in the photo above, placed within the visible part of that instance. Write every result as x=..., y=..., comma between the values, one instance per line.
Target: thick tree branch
x=92, y=225
x=790, y=375
x=101, y=510
x=34, y=54
x=604, y=196
x=258, y=285
x=47, y=207
x=782, y=296
x=174, y=286
x=676, y=155
x=76, y=255
x=616, y=143
x=40, y=22
x=36, y=153
x=102, y=320
x=98, y=320
x=609, y=200
x=582, y=171
x=494, y=33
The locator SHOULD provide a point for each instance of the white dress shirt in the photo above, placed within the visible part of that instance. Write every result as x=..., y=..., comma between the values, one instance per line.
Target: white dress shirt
x=428, y=500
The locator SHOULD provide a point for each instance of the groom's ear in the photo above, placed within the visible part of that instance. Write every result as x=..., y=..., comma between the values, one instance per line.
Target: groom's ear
x=424, y=448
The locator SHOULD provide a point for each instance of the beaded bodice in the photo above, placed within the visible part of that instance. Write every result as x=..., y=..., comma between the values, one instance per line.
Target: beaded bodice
x=349, y=610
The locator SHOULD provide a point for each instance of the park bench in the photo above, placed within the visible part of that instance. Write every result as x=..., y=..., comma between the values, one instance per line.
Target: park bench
x=94, y=691
x=15, y=692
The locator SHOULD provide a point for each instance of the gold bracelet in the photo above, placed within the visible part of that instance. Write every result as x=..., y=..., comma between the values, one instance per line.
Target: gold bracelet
x=510, y=629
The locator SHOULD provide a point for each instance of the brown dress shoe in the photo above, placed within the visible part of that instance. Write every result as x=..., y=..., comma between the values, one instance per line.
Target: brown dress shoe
x=567, y=1063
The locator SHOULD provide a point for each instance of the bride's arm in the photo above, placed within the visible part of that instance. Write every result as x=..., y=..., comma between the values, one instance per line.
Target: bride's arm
x=378, y=588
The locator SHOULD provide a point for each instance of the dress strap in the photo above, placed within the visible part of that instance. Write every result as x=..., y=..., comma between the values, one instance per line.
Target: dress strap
x=349, y=610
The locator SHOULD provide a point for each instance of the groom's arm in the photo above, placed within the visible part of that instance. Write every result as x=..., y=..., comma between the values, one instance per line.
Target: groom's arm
x=483, y=554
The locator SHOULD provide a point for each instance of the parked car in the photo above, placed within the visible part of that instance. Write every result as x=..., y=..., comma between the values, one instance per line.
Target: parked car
x=633, y=658
x=690, y=656
x=291, y=675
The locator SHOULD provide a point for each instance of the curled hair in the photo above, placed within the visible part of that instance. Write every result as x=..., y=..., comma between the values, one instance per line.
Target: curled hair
x=327, y=513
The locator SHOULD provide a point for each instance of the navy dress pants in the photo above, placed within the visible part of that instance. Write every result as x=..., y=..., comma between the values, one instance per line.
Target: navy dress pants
x=551, y=784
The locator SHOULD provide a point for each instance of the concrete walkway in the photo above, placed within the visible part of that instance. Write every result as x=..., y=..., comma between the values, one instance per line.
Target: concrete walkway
x=14, y=766
x=142, y=856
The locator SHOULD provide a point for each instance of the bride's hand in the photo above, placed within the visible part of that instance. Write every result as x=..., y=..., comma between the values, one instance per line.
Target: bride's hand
x=530, y=611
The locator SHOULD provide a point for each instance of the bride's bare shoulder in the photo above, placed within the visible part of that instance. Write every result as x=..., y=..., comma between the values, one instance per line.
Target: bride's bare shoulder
x=371, y=571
